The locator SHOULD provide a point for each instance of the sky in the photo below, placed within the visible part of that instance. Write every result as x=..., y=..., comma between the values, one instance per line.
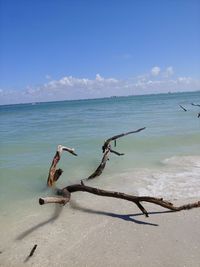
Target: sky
x=75, y=49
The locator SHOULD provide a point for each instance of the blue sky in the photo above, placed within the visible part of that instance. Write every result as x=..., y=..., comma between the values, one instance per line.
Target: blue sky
x=54, y=50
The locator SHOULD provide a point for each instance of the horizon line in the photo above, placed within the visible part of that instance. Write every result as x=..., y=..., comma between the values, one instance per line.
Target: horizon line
x=98, y=98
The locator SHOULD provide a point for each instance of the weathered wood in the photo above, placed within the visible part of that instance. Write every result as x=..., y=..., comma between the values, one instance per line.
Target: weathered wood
x=116, y=153
x=183, y=108
x=53, y=173
x=32, y=251
x=64, y=195
x=63, y=198
x=196, y=105
x=106, y=148
x=135, y=199
x=115, y=137
x=101, y=166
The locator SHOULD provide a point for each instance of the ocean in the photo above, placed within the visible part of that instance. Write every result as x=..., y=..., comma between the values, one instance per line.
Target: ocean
x=163, y=160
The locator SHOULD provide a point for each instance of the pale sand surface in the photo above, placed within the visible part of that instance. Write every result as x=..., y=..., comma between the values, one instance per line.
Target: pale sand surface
x=97, y=231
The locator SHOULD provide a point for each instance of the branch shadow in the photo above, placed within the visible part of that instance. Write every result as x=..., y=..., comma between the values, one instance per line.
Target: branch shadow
x=57, y=211
x=125, y=217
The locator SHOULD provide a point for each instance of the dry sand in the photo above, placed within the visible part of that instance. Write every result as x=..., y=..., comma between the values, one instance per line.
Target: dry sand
x=97, y=231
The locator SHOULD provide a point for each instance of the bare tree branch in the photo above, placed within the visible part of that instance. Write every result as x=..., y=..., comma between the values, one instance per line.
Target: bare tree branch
x=183, y=108
x=107, y=149
x=64, y=195
x=196, y=105
x=101, y=166
x=107, y=142
x=53, y=173
x=100, y=192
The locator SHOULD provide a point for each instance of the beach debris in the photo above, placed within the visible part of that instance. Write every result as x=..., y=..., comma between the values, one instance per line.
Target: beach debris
x=182, y=108
x=198, y=115
x=115, y=137
x=101, y=167
x=196, y=105
x=31, y=253
x=106, y=149
x=53, y=173
x=63, y=195
x=106, y=193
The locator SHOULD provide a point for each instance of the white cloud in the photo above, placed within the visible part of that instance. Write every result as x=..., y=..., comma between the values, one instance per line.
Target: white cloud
x=169, y=71
x=155, y=71
x=70, y=87
x=99, y=78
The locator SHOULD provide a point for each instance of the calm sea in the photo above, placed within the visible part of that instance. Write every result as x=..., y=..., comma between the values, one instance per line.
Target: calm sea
x=163, y=160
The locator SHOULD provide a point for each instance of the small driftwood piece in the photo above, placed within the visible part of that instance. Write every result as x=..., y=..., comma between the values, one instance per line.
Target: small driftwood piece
x=31, y=253
x=106, y=149
x=196, y=105
x=53, y=173
x=135, y=199
x=183, y=108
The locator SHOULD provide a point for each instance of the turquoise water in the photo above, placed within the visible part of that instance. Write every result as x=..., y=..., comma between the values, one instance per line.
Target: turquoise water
x=162, y=159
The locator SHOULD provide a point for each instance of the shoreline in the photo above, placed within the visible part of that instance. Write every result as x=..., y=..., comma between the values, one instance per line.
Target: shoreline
x=100, y=231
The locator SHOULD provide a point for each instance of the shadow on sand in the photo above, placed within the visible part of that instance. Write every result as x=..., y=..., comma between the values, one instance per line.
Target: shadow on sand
x=75, y=206
x=125, y=217
x=57, y=211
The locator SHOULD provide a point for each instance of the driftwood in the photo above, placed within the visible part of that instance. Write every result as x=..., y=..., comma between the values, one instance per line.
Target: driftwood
x=63, y=195
x=114, y=138
x=106, y=149
x=102, y=165
x=196, y=105
x=135, y=199
x=183, y=108
x=53, y=173
x=31, y=253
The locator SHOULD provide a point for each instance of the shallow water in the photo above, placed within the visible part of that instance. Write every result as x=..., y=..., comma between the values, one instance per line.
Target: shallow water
x=164, y=159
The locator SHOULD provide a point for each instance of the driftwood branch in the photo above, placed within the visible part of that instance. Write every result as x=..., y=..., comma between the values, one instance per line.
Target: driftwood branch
x=101, y=167
x=100, y=192
x=183, y=108
x=115, y=137
x=63, y=195
x=106, y=148
x=196, y=105
x=53, y=173
x=31, y=253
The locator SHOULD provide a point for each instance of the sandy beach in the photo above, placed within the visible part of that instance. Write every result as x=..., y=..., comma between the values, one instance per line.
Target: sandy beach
x=100, y=105
x=99, y=231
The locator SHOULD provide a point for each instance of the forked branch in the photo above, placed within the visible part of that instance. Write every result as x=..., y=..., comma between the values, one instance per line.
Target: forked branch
x=53, y=173
x=107, y=148
x=100, y=192
x=64, y=195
